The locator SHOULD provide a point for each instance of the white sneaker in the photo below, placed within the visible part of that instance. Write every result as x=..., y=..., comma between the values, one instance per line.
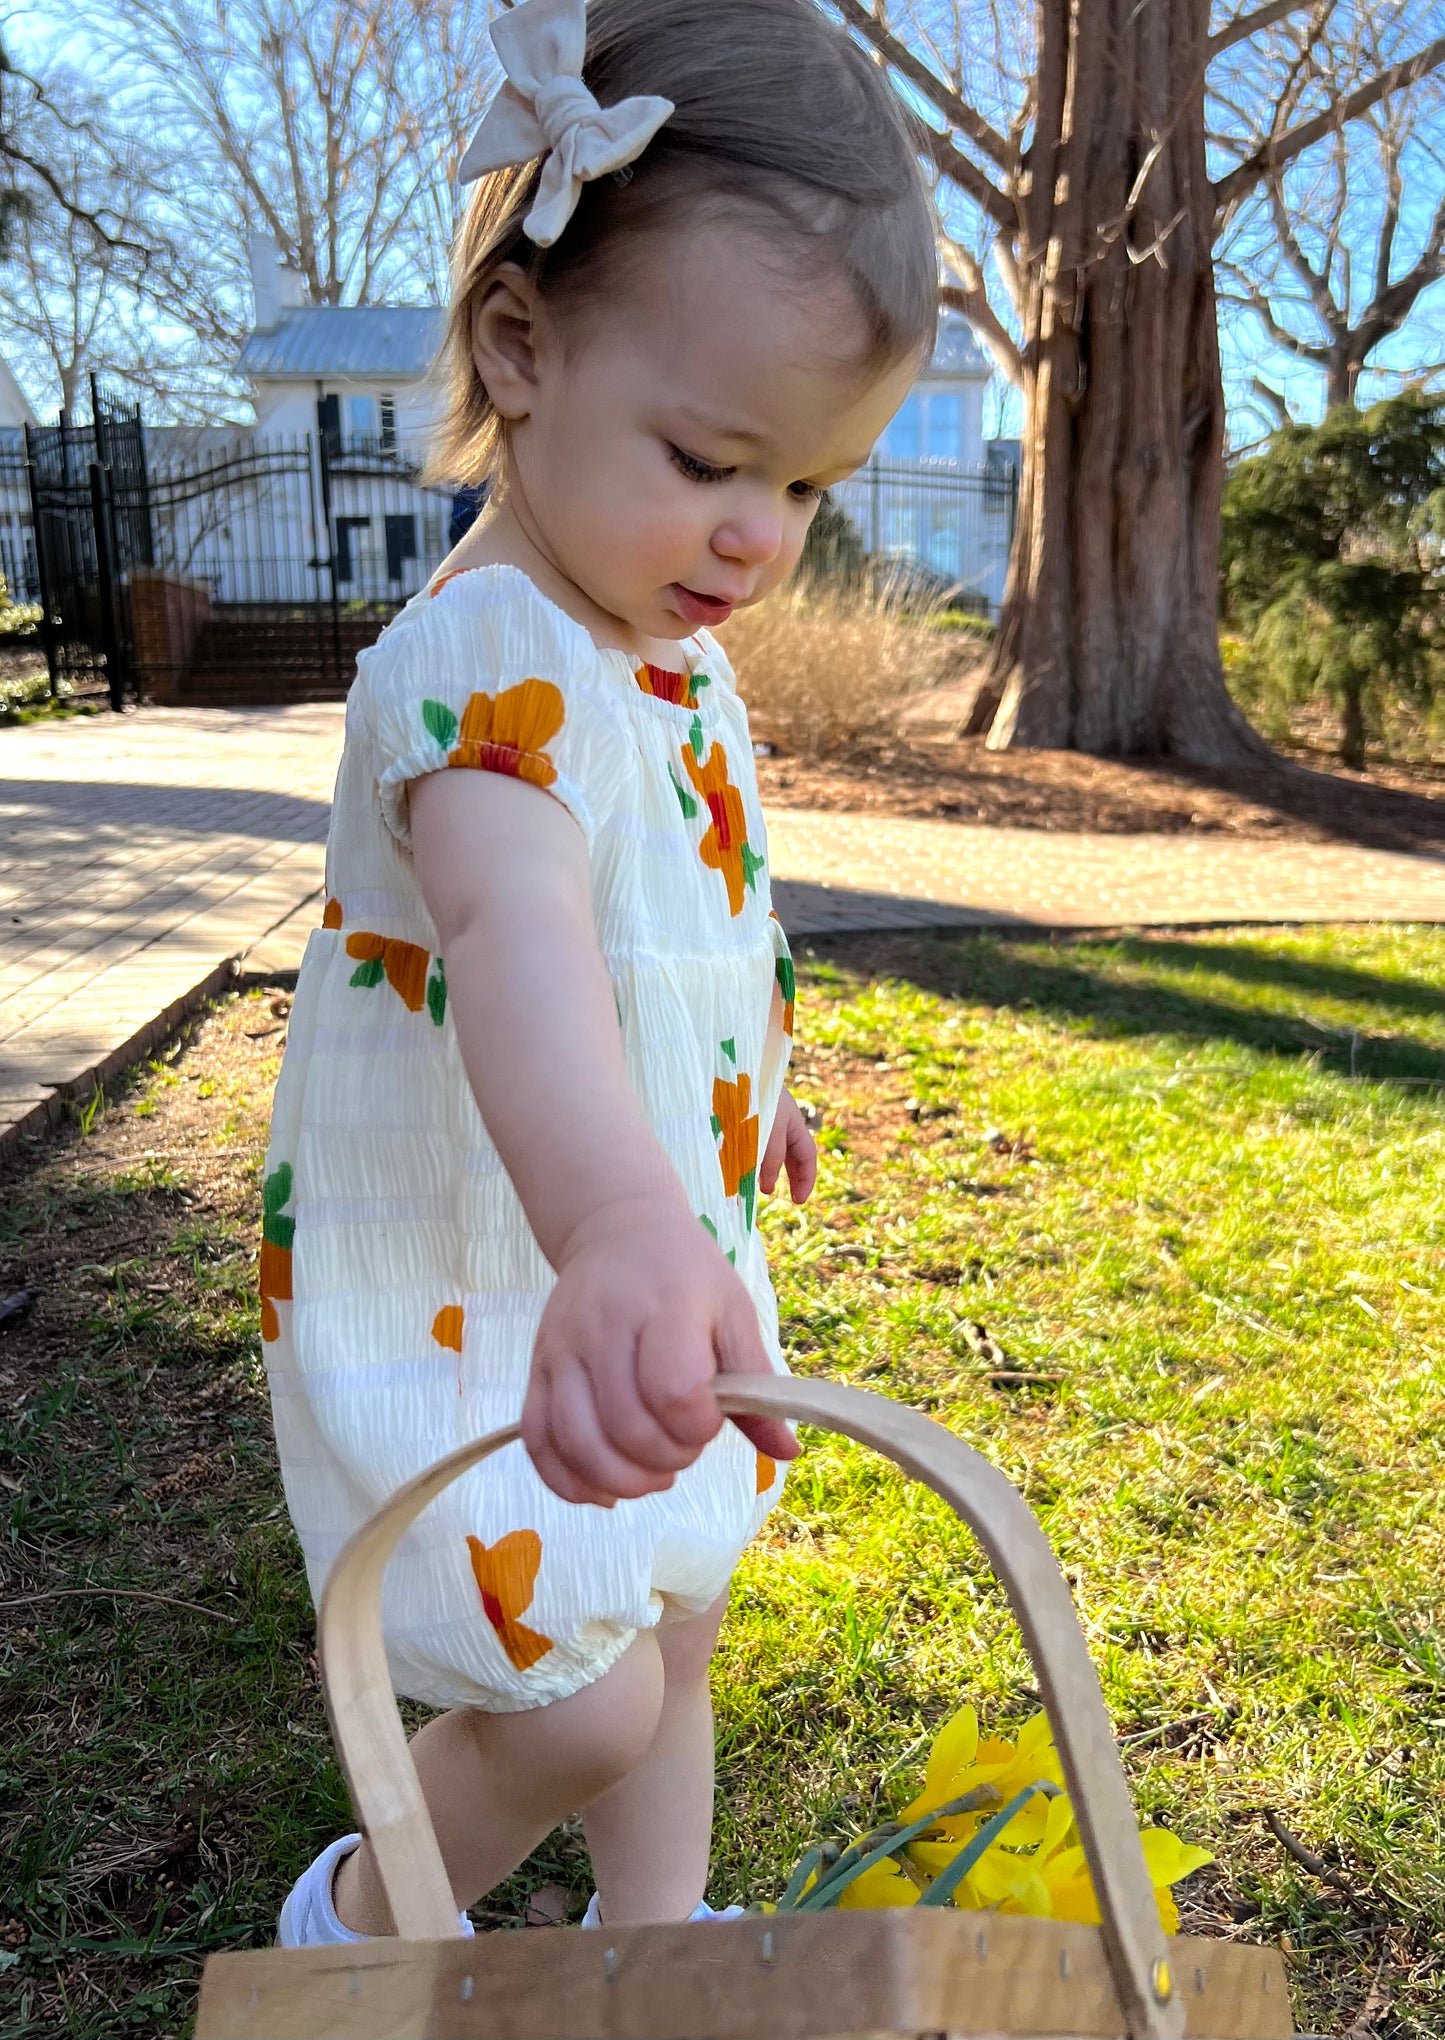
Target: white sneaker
x=593, y=1915
x=309, y=1918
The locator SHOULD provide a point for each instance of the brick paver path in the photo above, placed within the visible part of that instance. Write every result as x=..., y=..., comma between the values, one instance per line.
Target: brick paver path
x=144, y=856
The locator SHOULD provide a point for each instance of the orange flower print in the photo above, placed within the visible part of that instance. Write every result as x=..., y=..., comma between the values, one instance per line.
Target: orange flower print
x=441, y=580
x=767, y=1472
x=446, y=1329
x=277, y=1234
x=506, y=1575
x=725, y=847
x=331, y=914
x=508, y=732
x=736, y=1132
x=404, y=966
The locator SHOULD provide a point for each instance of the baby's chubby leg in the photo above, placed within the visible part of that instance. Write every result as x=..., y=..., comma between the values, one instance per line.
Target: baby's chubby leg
x=497, y=1784
x=650, y=1834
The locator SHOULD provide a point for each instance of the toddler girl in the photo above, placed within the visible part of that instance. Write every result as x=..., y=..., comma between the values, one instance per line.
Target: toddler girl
x=534, y=1083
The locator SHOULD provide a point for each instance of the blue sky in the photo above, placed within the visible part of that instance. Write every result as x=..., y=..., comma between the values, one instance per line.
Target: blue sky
x=41, y=35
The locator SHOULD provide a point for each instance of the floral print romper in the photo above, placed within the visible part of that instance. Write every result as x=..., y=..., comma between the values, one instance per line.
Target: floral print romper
x=401, y=1283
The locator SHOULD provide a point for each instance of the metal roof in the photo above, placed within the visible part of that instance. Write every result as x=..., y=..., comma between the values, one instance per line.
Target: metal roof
x=386, y=343
x=397, y=343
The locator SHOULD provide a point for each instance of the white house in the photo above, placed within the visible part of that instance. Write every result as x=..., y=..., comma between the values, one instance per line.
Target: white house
x=15, y=410
x=17, y=539
x=934, y=492
x=365, y=366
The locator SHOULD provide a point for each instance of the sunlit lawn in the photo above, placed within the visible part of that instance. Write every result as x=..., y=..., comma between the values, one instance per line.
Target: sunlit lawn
x=1157, y=1224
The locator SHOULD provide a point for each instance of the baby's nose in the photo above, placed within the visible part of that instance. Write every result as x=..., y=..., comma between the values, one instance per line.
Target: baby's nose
x=754, y=540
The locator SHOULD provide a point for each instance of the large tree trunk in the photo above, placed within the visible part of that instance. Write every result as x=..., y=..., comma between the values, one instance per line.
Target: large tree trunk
x=1108, y=641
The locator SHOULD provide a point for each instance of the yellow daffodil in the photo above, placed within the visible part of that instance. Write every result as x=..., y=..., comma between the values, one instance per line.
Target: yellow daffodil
x=885, y=1884
x=1035, y=1865
x=960, y=1761
x=1051, y=1880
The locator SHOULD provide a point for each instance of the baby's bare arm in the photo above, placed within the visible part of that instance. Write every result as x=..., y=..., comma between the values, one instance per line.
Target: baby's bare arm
x=646, y=1309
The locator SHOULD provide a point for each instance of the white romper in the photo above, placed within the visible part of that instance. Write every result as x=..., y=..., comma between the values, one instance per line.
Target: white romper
x=401, y=1284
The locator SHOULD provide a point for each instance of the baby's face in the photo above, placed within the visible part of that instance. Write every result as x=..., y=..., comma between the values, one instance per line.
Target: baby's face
x=678, y=443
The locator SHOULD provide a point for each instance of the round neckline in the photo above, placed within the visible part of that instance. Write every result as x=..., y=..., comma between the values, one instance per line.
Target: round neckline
x=694, y=652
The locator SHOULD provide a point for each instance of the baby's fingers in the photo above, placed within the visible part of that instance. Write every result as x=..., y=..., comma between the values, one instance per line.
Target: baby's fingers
x=802, y=1161
x=773, y=1157
x=575, y=1457
x=740, y=1350
x=675, y=1367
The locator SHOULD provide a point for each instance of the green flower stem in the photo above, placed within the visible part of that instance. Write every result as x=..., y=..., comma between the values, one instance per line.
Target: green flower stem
x=799, y=1878
x=948, y=1880
x=860, y=1857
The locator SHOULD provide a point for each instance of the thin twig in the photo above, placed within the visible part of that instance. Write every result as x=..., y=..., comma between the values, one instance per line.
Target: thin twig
x=1132, y=1742
x=117, y=1594
x=1316, y=1865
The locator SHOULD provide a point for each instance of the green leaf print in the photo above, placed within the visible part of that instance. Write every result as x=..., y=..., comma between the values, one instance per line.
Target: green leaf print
x=696, y=738
x=436, y=994
x=369, y=973
x=787, y=979
x=684, y=799
x=752, y=865
x=708, y=1224
x=748, y=1195
x=730, y=1048
x=440, y=722
x=275, y=1192
x=716, y=1127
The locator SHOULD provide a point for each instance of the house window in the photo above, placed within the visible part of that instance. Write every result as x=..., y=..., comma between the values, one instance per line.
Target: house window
x=400, y=543
x=944, y=438
x=903, y=437
x=361, y=419
x=388, y=424
x=351, y=549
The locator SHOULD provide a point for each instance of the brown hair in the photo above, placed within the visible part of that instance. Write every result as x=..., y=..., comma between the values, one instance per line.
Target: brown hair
x=778, y=115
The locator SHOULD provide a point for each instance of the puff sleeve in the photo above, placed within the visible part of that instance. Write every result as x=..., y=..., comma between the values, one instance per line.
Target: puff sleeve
x=486, y=675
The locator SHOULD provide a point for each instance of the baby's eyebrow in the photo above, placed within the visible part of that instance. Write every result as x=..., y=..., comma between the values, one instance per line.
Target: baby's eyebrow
x=722, y=428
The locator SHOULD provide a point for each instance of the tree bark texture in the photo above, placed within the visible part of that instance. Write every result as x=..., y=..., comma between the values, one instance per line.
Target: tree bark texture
x=1108, y=639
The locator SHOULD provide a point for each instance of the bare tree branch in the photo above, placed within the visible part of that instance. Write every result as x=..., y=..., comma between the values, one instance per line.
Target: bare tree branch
x=952, y=163
x=1278, y=151
x=1245, y=25
x=1273, y=402
x=969, y=297
x=954, y=108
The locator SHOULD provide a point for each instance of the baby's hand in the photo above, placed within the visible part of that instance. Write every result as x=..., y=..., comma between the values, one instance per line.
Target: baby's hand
x=647, y=1311
x=791, y=1147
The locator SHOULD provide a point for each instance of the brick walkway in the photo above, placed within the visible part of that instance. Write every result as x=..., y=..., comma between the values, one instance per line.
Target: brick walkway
x=145, y=857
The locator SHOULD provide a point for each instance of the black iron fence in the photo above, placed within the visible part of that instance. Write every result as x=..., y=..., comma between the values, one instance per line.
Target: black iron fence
x=954, y=524
x=216, y=566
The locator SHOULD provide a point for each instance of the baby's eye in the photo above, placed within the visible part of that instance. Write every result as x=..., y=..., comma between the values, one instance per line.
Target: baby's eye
x=806, y=492
x=698, y=470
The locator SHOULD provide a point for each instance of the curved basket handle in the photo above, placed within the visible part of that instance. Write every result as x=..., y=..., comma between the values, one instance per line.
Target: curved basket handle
x=372, y=1744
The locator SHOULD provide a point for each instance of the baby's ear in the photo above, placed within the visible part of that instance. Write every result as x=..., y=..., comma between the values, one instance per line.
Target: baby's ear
x=504, y=341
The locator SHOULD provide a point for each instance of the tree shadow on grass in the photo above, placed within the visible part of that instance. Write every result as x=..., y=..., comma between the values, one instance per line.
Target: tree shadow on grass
x=1254, y=964
x=1071, y=986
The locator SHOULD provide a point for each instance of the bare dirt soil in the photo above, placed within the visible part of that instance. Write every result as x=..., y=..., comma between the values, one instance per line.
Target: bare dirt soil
x=1308, y=798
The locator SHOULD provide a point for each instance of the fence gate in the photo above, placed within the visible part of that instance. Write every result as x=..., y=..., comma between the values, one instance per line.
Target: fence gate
x=92, y=531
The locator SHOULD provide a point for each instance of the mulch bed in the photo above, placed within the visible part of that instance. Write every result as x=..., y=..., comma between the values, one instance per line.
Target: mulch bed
x=1307, y=799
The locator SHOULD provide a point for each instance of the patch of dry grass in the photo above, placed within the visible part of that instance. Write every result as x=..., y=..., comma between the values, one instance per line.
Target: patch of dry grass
x=822, y=673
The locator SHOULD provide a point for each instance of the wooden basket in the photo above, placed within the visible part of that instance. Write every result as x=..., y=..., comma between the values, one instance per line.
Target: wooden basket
x=905, y=1974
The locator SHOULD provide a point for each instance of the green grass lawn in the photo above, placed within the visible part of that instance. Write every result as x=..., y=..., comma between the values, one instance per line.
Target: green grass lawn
x=1158, y=1224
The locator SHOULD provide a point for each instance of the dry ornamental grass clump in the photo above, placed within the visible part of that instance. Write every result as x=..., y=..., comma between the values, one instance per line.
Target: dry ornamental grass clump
x=822, y=673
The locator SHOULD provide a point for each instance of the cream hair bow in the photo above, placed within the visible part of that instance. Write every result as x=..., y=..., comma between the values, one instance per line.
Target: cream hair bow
x=544, y=109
